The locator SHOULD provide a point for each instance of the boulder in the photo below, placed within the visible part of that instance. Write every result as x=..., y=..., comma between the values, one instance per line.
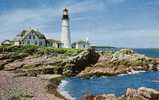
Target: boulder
x=142, y=93
x=131, y=92
x=100, y=97
x=13, y=66
x=76, y=64
x=106, y=97
x=88, y=97
x=147, y=92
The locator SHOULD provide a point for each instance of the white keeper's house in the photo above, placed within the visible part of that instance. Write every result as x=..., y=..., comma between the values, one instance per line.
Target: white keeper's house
x=35, y=37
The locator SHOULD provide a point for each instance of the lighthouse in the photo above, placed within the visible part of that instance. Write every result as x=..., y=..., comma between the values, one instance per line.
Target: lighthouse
x=65, y=31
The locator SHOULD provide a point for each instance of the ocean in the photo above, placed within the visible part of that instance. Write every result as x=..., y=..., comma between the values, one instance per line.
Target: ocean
x=74, y=88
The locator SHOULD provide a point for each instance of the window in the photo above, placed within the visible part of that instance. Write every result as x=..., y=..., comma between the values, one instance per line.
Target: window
x=28, y=42
x=36, y=42
x=29, y=36
x=58, y=45
x=62, y=45
x=33, y=37
x=84, y=46
x=40, y=43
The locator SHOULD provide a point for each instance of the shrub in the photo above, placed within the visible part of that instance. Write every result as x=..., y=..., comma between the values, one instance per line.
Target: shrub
x=14, y=98
x=32, y=49
x=14, y=94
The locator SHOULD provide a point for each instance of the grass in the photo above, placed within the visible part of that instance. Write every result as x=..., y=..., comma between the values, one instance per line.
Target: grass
x=32, y=49
x=16, y=94
x=14, y=98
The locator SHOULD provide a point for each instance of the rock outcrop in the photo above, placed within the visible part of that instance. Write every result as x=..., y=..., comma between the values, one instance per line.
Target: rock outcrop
x=34, y=60
x=76, y=64
x=101, y=97
x=142, y=93
x=123, y=61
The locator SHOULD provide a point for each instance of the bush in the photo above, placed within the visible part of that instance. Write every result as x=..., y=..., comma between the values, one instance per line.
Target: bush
x=32, y=49
x=14, y=94
x=19, y=49
x=15, y=98
x=18, y=55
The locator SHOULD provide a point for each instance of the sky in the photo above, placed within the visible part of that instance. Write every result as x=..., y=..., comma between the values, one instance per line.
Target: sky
x=118, y=23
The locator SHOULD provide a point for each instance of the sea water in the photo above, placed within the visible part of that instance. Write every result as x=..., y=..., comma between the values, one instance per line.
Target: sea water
x=75, y=88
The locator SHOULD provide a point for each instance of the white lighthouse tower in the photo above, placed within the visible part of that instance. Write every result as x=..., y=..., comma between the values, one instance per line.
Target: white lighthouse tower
x=65, y=32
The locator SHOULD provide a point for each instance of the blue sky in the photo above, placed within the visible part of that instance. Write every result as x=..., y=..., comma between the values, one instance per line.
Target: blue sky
x=119, y=23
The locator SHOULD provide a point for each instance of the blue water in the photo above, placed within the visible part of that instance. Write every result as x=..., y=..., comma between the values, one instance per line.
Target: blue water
x=149, y=52
x=152, y=52
x=116, y=84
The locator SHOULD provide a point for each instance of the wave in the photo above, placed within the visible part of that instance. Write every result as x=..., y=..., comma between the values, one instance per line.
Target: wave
x=156, y=81
x=62, y=91
x=132, y=72
x=135, y=72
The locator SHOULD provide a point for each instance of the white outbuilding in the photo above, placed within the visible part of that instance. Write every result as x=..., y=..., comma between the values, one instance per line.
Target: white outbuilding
x=81, y=44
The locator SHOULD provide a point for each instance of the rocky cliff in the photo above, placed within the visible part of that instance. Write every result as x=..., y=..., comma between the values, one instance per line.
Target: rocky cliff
x=124, y=61
x=33, y=60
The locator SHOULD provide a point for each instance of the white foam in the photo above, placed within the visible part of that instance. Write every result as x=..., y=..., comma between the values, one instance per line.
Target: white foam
x=62, y=91
x=135, y=72
x=122, y=74
x=132, y=72
x=156, y=81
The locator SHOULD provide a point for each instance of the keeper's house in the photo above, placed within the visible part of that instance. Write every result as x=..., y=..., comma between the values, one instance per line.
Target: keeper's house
x=34, y=37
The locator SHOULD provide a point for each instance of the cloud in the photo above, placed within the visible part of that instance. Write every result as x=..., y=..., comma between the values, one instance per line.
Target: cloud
x=15, y=20
x=21, y=18
x=86, y=6
x=79, y=18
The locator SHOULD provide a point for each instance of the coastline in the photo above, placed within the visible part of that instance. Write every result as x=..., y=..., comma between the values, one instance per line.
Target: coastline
x=55, y=61
x=64, y=82
x=64, y=93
